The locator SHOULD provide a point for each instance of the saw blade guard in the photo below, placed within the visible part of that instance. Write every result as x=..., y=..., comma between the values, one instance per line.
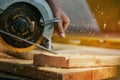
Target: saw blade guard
x=25, y=17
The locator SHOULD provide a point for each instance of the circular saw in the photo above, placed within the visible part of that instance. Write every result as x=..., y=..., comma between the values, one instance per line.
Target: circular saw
x=24, y=23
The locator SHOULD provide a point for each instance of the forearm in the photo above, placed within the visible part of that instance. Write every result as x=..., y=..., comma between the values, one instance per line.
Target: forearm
x=54, y=6
x=52, y=3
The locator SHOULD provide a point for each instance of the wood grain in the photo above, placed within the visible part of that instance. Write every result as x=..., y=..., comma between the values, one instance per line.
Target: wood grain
x=72, y=61
x=78, y=56
x=26, y=68
x=50, y=73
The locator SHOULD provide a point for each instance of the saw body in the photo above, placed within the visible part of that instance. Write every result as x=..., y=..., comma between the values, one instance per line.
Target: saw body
x=31, y=20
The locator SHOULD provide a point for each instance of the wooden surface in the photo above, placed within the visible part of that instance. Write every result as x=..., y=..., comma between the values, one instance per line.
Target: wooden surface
x=72, y=61
x=27, y=69
x=78, y=56
x=49, y=73
x=97, y=41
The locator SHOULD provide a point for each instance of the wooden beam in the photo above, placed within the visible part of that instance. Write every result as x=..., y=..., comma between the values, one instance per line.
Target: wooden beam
x=49, y=73
x=27, y=69
x=5, y=56
x=78, y=56
x=72, y=61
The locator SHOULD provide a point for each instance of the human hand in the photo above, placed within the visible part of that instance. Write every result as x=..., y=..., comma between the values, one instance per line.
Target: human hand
x=59, y=27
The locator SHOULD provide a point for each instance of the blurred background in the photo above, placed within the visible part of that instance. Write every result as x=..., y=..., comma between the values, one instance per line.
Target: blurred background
x=93, y=15
x=95, y=20
x=107, y=14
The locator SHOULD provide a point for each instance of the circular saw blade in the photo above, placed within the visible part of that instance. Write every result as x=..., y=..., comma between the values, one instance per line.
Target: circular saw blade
x=22, y=20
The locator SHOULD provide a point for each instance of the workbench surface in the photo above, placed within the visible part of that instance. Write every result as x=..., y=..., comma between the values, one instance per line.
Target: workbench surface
x=26, y=68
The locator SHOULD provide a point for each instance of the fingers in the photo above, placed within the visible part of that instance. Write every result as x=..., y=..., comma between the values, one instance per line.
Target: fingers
x=59, y=29
x=65, y=21
x=66, y=24
x=61, y=26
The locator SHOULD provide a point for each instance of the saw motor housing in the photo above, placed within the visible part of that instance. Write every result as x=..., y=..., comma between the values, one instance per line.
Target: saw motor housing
x=23, y=12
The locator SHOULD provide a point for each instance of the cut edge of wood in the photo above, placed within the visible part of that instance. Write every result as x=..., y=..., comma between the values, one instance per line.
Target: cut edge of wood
x=68, y=61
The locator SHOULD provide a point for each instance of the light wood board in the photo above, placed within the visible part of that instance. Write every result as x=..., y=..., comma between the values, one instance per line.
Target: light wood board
x=78, y=56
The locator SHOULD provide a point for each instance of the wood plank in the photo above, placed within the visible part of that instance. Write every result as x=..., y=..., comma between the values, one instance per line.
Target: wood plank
x=84, y=50
x=49, y=73
x=26, y=68
x=9, y=76
x=78, y=56
x=5, y=56
x=118, y=74
x=72, y=61
x=97, y=41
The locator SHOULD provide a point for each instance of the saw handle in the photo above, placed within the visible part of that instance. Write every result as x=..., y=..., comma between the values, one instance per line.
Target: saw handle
x=54, y=20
